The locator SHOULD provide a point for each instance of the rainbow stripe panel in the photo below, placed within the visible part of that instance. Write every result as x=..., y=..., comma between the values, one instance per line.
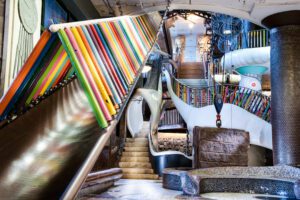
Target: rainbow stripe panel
x=106, y=58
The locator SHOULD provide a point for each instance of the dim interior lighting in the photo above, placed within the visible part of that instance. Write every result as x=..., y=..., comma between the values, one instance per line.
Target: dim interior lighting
x=227, y=32
x=146, y=69
x=191, y=25
x=192, y=17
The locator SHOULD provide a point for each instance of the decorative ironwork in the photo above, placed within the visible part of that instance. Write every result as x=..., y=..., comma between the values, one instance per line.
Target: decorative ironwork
x=184, y=14
x=225, y=29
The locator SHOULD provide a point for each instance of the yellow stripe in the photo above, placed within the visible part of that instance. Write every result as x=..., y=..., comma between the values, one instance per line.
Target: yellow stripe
x=49, y=80
x=93, y=71
x=127, y=46
x=117, y=52
x=134, y=38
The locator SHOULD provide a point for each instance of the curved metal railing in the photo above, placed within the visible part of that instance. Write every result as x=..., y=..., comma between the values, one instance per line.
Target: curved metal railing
x=252, y=101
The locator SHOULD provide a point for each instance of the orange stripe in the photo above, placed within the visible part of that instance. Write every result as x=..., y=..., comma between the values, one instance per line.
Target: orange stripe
x=24, y=70
x=91, y=53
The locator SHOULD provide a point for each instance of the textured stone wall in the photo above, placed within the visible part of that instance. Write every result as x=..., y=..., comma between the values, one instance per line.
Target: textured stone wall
x=214, y=147
x=174, y=142
x=285, y=83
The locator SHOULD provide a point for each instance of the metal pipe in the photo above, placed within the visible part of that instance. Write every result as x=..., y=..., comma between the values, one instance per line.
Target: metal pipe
x=56, y=27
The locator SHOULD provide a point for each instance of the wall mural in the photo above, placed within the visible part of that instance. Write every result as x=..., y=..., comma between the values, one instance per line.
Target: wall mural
x=28, y=18
x=21, y=32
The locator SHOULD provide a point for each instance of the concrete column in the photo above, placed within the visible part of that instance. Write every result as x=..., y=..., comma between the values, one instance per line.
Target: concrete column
x=285, y=85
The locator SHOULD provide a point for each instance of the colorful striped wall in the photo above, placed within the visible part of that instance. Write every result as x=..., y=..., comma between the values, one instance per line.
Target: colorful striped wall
x=106, y=57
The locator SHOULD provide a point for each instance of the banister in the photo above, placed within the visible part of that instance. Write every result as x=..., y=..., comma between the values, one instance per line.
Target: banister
x=251, y=100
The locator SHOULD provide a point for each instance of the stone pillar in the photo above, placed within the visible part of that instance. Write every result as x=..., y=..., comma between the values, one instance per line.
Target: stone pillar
x=285, y=85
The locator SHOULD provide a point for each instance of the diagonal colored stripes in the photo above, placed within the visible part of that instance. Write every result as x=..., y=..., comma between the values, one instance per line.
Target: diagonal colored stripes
x=106, y=58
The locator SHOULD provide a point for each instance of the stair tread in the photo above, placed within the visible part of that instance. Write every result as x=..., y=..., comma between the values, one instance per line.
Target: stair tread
x=146, y=165
x=136, y=149
x=135, y=154
x=135, y=159
x=136, y=144
x=137, y=171
x=140, y=176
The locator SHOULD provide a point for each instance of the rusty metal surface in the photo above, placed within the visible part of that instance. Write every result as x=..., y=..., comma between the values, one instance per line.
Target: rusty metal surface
x=42, y=150
x=285, y=84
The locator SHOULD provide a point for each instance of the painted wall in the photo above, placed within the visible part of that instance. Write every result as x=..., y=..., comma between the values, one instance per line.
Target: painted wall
x=2, y=17
x=12, y=29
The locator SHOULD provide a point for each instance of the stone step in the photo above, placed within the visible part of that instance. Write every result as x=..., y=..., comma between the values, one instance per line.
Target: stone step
x=135, y=154
x=140, y=176
x=137, y=149
x=136, y=139
x=137, y=171
x=134, y=159
x=145, y=165
x=136, y=144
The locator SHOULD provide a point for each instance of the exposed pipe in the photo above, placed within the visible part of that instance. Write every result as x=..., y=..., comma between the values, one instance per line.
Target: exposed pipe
x=56, y=27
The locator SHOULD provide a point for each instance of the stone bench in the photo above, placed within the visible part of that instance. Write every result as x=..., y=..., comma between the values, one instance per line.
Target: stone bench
x=275, y=180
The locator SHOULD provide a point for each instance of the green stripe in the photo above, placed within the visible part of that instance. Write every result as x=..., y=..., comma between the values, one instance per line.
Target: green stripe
x=84, y=82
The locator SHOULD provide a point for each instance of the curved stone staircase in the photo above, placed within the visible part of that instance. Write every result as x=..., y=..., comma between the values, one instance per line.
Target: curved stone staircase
x=135, y=161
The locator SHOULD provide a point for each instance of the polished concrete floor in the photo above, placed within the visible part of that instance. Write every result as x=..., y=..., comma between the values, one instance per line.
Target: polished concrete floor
x=128, y=189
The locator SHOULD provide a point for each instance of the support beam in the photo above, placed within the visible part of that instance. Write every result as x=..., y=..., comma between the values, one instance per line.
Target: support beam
x=285, y=85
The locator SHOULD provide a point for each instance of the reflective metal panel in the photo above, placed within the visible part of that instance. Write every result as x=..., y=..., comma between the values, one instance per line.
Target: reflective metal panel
x=42, y=150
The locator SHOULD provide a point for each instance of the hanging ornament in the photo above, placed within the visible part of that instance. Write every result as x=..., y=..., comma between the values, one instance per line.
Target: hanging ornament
x=218, y=102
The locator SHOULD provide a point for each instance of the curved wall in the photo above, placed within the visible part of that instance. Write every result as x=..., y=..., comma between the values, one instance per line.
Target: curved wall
x=232, y=116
